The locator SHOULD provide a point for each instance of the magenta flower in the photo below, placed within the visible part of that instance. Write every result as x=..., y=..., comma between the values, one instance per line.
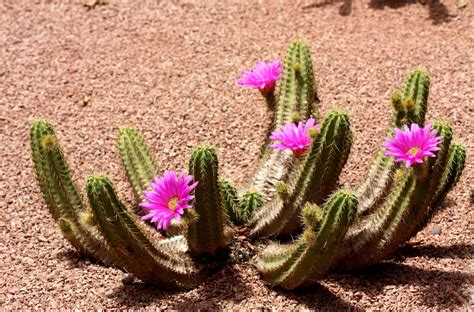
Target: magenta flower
x=413, y=144
x=294, y=137
x=263, y=76
x=168, y=198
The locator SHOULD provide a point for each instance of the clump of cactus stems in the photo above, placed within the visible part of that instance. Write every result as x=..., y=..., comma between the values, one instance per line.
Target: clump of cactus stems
x=293, y=192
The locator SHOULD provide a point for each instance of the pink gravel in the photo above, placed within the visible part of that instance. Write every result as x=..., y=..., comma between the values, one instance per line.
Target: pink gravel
x=169, y=68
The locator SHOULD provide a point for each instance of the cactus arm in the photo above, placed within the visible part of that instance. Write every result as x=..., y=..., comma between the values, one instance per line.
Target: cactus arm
x=298, y=96
x=313, y=181
x=249, y=202
x=139, y=254
x=400, y=219
x=455, y=163
x=362, y=238
x=60, y=193
x=136, y=159
x=231, y=201
x=303, y=262
x=410, y=107
x=417, y=88
x=208, y=235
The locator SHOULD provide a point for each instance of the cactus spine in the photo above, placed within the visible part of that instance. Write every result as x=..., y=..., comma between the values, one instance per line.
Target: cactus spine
x=209, y=234
x=311, y=256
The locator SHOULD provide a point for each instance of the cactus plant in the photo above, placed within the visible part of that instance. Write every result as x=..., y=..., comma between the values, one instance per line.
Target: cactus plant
x=351, y=230
x=112, y=232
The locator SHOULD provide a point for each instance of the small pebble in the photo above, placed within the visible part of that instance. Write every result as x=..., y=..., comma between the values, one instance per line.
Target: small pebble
x=436, y=230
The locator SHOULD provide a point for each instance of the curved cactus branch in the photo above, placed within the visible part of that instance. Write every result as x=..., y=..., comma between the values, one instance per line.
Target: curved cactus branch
x=61, y=195
x=298, y=97
x=410, y=201
x=139, y=253
x=311, y=256
x=410, y=107
x=314, y=178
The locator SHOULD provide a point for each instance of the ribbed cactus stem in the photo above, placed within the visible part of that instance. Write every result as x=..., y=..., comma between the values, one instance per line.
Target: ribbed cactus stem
x=453, y=168
x=249, y=202
x=409, y=203
x=416, y=92
x=129, y=240
x=298, y=96
x=313, y=181
x=410, y=106
x=209, y=234
x=136, y=159
x=60, y=193
x=311, y=256
x=231, y=201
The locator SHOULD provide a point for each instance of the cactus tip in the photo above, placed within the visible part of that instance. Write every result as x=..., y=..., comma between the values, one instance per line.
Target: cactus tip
x=49, y=142
x=408, y=103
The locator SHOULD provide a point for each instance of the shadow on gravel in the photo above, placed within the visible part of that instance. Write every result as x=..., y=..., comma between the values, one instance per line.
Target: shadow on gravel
x=457, y=251
x=345, y=8
x=318, y=297
x=435, y=287
x=438, y=12
x=226, y=285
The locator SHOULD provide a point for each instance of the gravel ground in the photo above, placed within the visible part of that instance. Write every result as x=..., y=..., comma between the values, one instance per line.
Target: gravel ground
x=169, y=68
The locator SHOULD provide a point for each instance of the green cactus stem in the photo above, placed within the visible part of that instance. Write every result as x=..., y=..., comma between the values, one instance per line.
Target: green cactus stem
x=139, y=253
x=410, y=202
x=209, y=234
x=314, y=179
x=231, y=201
x=60, y=193
x=297, y=96
x=136, y=159
x=311, y=256
x=455, y=163
x=249, y=202
x=410, y=107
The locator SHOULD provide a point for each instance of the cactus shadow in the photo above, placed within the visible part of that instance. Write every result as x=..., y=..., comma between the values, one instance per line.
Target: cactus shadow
x=345, y=8
x=226, y=285
x=438, y=12
x=456, y=251
x=434, y=287
x=318, y=297
x=75, y=258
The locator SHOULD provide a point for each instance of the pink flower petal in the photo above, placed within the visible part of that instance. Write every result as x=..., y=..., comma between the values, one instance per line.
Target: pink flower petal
x=412, y=139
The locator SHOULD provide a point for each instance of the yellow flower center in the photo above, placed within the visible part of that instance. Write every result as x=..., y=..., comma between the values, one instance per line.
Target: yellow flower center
x=172, y=203
x=413, y=150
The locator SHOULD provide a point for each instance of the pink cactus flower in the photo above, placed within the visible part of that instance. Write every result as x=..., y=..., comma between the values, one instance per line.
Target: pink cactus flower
x=413, y=144
x=168, y=198
x=263, y=76
x=294, y=137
